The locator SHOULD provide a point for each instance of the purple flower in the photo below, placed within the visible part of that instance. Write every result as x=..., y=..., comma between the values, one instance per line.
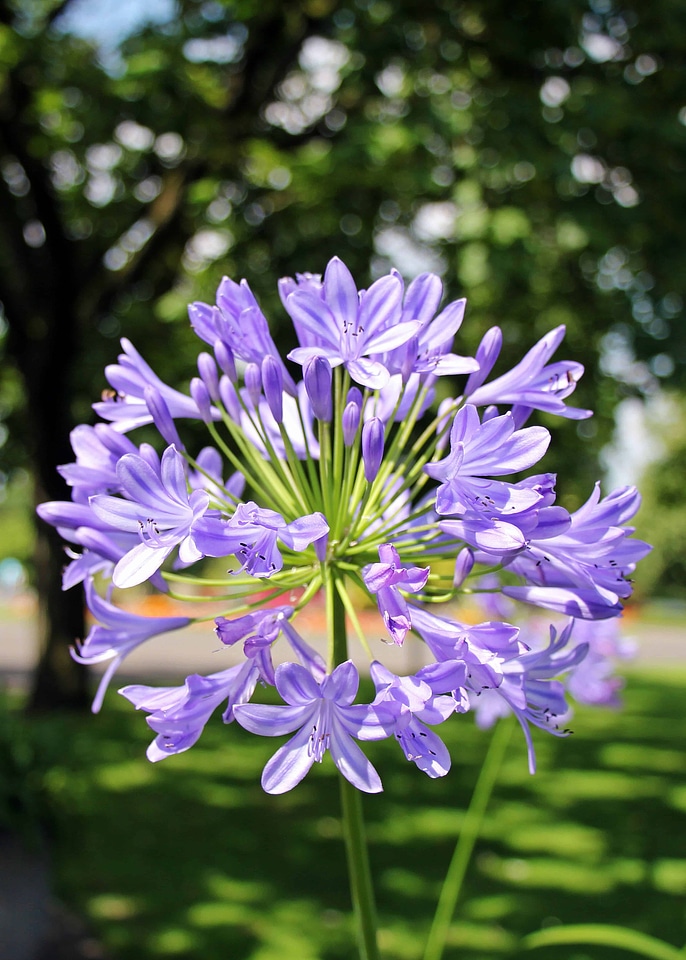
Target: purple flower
x=252, y=534
x=351, y=419
x=259, y=630
x=421, y=699
x=325, y=718
x=530, y=691
x=534, y=384
x=488, y=510
x=483, y=647
x=490, y=449
x=428, y=351
x=239, y=324
x=178, y=714
x=158, y=509
x=386, y=579
x=272, y=381
x=347, y=328
x=127, y=407
x=97, y=451
x=484, y=529
x=102, y=546
x=317, y=378
x=118, y=633
x=373, y=435
x=593, y=681
x=582, y=572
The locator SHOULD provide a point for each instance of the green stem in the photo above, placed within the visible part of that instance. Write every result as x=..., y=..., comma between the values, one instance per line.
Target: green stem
x=361, y=887
x=359, y=871
x=469, y=833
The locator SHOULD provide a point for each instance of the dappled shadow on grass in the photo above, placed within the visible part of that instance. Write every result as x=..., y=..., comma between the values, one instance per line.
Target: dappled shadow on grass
x=189, y=858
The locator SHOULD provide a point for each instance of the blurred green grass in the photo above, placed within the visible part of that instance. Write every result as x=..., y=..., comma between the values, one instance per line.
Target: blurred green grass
x=190, y=859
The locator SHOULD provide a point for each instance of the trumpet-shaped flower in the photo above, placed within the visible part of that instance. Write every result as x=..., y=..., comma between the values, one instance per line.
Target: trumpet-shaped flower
x=347, y=328
x=159, y=509
x=386, y=579
x=178, y=714
x=118, y=633
x=429, y=697
x=582, y=571
x=253, y=533
x=533, y=384
x=326, y=719
x=125, y=405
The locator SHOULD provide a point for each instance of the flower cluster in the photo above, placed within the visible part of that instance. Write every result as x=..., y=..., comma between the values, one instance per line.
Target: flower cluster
x=349, y=476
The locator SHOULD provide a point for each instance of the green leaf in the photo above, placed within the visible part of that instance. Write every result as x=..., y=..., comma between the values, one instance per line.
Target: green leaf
x=606, y=935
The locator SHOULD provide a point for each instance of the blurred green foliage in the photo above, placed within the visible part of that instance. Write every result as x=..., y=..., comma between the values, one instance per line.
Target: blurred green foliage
x=189, y=858
x=28, y=808
x=662, y=519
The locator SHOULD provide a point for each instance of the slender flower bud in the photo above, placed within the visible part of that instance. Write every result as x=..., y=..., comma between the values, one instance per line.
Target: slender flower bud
x=463, y=566
x=228, y=396
x=272, y=379
x=201, y=396
x=161, y=416
x=411, y=350
x=207, y=369
x=253, y=382
x=320, y=547
x=351, y=421
x=354, y=396
x=225, y=359
x=317, y=377
x=372, y=447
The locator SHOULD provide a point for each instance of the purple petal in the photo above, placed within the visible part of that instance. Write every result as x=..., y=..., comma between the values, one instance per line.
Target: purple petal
x=296, y=685
x=289, y=765
x=271, y=720
x=139, y=564
x=342, y=685
x=352, y=762
x=305, y=530
x=340, y=292
x=379, y=305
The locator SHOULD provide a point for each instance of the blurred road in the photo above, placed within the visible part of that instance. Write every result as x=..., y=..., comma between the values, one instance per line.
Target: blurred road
x=173, y=656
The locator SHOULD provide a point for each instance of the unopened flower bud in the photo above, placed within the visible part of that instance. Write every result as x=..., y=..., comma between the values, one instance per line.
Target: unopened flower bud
x=317, y=377
x=272, y=380
x=229, y=397
x=201, y=397
x=372, y=447
x=161, y=416
x=207, y=369
x=354, y=396
x=225, y=359
x=411, y=351
x=351, y=421
x=463, y=566
x=253, y=382
x=320, y=547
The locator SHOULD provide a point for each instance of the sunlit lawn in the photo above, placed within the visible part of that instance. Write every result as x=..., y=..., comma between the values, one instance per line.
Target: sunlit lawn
x=190, y=859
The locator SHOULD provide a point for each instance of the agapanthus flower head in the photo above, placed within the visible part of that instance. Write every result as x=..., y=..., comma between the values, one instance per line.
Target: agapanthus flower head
x=343, y=470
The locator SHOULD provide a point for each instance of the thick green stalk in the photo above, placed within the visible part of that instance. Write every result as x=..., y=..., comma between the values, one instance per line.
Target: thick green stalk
x=359, y=872
x=452, y=885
